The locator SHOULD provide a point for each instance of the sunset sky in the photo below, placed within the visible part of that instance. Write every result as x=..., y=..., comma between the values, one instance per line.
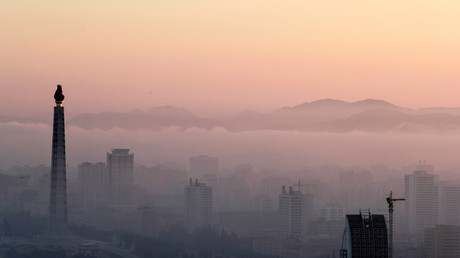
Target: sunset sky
x=226, y=56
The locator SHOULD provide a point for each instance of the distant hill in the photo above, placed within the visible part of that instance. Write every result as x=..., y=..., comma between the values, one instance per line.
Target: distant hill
x=304, y=116
x=325, y=115
x=334, y=103
x=22, y=119
x=370, y=115
x=384, y=120
x=153, y=119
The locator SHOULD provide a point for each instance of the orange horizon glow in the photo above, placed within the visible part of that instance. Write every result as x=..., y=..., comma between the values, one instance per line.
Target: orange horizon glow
x=214, y=56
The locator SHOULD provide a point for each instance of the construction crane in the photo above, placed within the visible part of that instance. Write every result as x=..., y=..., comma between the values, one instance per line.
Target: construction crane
x=390, y=201
x=311, y=187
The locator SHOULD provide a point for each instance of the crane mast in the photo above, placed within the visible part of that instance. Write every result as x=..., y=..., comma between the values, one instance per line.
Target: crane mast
x=390, y=201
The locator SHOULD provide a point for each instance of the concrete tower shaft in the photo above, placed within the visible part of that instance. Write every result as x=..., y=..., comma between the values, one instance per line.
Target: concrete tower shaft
x=58, y=184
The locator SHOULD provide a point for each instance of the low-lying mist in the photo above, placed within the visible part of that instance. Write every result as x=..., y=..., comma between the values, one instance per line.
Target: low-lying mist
x=31, y=144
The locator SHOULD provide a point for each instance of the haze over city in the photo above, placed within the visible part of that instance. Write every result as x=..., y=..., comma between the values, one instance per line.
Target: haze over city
x=229, y=128
x=312, y=134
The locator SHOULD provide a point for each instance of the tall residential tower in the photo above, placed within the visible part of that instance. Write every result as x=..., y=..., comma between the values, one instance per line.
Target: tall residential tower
x=198, y=205
x=120, y=165
x=421, y=205
x=93, y=181
x=296, y=209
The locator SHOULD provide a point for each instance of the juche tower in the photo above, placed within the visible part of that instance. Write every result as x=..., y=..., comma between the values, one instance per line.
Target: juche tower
x=58, y=184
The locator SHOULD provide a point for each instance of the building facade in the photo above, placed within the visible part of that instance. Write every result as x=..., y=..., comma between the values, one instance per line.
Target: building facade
x=421, y=205
x=295, y=211
x=93, y=181
x=332, y=213
x=365, y=235
x=442, y=241
x=449, y=203
x=198, y=205
x=120, y=165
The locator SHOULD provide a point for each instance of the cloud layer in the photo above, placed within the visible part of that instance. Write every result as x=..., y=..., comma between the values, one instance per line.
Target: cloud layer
x=31, y=144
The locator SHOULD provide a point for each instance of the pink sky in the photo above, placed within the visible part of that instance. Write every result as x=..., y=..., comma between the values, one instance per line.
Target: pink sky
x=216, y=56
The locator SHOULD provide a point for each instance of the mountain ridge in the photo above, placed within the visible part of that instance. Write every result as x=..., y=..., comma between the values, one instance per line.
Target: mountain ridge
x=323, y=115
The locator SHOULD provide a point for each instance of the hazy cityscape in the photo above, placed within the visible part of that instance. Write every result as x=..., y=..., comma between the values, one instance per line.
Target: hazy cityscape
x=112, y=205
x=229, y=129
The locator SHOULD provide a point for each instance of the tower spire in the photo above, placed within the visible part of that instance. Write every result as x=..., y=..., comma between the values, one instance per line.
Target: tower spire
x=58, y=184
x=58, y=96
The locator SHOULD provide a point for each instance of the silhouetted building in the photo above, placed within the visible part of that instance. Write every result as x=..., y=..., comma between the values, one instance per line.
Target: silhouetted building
x=120, y=165
x=232, y=194
x=198, y=205
x=58, y=185
x=146, y=221
x=78, y=201
x=449, y=203
x=249, y=223
x=203, y=165
x=355, y=189
x=443, y=241
x=295, y=211
x=168, y=181
x=263, y=202
x=332, y=213
x=365, y=235
x=93, y=181
x=332, y=228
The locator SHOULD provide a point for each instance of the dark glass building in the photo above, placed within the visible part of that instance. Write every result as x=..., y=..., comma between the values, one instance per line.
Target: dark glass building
x=365, y=235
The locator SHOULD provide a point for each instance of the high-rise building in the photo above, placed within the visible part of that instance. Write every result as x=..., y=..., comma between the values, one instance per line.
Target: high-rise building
x=93, y=181
x=365, y=236
x=442, y=241
x=120, y=165
x=232, y=194
x=263, y=202
x=449, y=203
x=58, y=184
x=198, y=205
x=332, y=213
x=355, y=189
x=168, y=181
x=421, y=205
x=295, y=211
x=422, y=166
x=203, y=165
x=146, y=221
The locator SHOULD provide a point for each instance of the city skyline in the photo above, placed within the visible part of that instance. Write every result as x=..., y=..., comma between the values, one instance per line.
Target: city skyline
x=204, y=129
x=133, y=207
